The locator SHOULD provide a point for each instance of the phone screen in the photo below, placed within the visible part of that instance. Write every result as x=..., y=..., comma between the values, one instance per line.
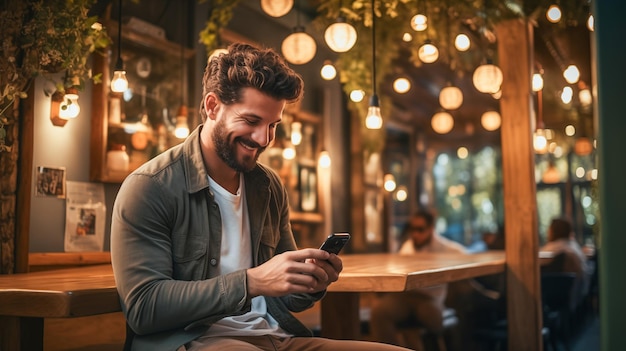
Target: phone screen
x=335, y=242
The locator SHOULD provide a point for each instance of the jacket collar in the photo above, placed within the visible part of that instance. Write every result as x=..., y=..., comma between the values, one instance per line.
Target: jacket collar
x=257, y=180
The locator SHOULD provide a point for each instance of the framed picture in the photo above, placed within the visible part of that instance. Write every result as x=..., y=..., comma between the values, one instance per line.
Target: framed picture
x=307, y=177
x=50, y=182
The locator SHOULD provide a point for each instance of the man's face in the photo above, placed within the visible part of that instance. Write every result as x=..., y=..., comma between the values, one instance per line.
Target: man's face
x=420, y=232
x=245, y=129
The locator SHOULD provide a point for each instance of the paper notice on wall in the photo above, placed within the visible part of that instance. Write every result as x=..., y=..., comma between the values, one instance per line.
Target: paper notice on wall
x=85, y=217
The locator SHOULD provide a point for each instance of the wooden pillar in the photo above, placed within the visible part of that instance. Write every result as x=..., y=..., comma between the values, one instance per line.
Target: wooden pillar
x=357, y=188
x=515, y=42
x=609, y=55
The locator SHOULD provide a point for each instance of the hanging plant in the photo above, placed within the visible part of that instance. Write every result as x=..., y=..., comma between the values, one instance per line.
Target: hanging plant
x=40, y=38
x=220, y=13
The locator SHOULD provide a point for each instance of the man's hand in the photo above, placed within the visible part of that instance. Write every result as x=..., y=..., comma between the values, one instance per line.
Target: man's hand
x=302, y=271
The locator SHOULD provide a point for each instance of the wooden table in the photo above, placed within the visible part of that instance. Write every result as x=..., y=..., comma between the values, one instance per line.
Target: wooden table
x=395, y=273
x=26, y=299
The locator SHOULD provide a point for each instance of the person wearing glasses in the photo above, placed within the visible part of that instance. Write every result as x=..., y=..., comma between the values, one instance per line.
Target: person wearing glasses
x=423, y=307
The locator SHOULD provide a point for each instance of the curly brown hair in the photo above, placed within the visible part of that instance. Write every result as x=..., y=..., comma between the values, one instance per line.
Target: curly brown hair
x=247, y=66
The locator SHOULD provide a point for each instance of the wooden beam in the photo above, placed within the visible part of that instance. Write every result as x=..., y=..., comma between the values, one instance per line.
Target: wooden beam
x=24, y=188
x=515, y=43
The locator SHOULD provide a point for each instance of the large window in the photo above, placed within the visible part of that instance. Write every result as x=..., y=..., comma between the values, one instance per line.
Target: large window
x=468, y=194
x=467, y=190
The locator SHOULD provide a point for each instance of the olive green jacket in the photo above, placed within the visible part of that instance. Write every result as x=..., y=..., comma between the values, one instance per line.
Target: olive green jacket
x=165, y=249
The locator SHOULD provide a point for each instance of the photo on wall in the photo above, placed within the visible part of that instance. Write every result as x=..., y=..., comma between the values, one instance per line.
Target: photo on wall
x=50, y=182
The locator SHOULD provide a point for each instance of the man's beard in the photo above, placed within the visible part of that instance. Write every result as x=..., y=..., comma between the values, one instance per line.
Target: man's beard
x=227, y=151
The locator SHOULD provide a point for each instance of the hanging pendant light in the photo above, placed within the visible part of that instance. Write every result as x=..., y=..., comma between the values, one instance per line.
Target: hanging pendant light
x=428, y=53
x=357, y=95
x=419, y=22
x=571, y=74
x=462, y=42
x=181, y=130
x=119, y=83
x=299, y=47
x=340, y=36
x=442, y=122
x=553, y=14
x=324, y=160
x=401, y=85
x=450, y=97
x=487, y=78
x=491, y=120
x=276, y=8
x=373, y=120
x=540, y=137
x=537, y=82
x=328, y=71
x=296, y=133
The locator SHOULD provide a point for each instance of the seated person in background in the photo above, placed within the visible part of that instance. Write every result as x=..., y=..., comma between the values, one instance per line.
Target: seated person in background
x=423, y=307
x=568, y=255
x=202, y=248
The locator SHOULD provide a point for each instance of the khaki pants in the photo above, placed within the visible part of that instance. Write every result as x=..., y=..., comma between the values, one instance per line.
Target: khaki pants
x=271, y=343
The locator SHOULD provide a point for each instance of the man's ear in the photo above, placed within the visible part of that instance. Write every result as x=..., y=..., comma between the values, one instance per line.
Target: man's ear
x=211, y=104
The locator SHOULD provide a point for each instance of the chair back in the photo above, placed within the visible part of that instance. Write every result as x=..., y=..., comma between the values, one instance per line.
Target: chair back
x=557, y=290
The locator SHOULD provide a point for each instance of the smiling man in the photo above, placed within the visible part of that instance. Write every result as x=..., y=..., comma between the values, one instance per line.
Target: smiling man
x=201, y=243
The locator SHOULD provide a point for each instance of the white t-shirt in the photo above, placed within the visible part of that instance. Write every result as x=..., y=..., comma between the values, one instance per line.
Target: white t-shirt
x=236, y=254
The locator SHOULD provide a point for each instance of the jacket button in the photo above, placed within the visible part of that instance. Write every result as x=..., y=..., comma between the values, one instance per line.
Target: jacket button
x=213, y=262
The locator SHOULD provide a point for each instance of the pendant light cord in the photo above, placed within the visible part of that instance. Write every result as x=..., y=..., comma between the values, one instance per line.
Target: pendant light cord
x=373, y=50
x=540, y=124
x=182, y=55
x=297, y=15
x=119, y=65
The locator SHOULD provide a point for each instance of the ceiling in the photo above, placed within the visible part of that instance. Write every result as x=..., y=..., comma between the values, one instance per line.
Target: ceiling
x=553, y=51
x=555, y=46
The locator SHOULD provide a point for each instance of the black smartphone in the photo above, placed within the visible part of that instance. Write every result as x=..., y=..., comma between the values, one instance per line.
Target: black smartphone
x=335, y=242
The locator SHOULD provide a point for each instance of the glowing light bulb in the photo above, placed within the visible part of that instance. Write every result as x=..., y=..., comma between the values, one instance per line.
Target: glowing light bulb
x=69, y=107
x=357, y=95
x=401, y=85
x=324, y=160
x=462, y=42
x=571, y=74
x=328, y=71
x=119, y=83
x=389, y=182
x=554, y=13
x=428, y=53
x=537, y=82
x=419, y=22
x=296, y=133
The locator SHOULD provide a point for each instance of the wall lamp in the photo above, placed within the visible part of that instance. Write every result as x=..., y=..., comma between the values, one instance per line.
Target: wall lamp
x=64, y=106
